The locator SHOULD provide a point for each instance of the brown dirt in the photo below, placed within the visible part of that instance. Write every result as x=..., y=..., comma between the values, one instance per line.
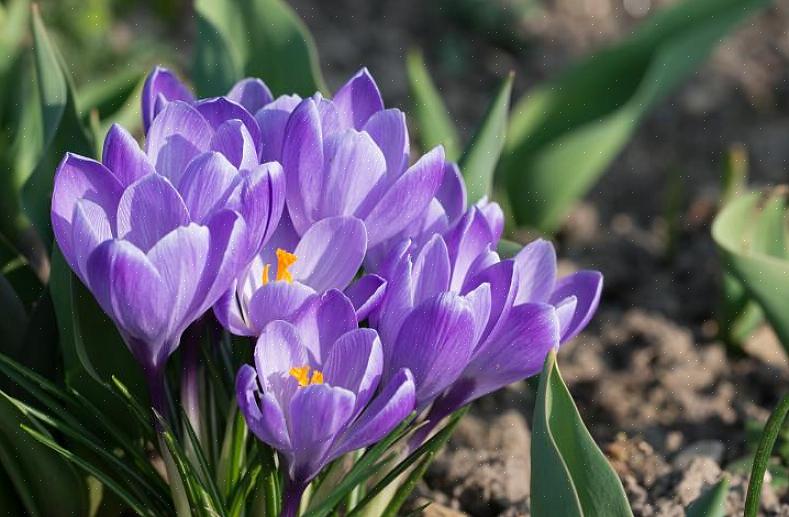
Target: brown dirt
x=655, y=387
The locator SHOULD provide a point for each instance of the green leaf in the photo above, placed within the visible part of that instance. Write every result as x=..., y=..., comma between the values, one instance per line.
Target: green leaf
x=13, y=25
x=45, y=483
x=62, y=128
x=712, y=503
x=766, y=443
x=575, y=478
x=482, y=154
x=755, y=254
x=432, y=117
x=564, y=134
x=258, y=38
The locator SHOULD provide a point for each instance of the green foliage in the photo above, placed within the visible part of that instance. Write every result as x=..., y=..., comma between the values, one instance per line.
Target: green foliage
x=564, y=134
x=750, y=233
x=711, y=503
x=482, y=154
x=257, y=38
x=575, y=478
x=433, y=119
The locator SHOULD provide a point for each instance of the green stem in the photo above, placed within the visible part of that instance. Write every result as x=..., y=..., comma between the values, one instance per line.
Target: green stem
x=766, y=443
x=270, y=483
x=180, y=498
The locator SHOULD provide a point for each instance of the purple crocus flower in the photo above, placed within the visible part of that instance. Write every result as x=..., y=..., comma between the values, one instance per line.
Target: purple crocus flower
x=349, y=156
x=312, y=392
x=158, y=235
x=291, y=269
x=518, y=310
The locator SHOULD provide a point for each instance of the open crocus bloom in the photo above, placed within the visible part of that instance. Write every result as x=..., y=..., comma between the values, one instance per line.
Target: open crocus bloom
x=291, y=269
x=312, y=392
x=349, y=156
x=158, y=235
x=519, y=310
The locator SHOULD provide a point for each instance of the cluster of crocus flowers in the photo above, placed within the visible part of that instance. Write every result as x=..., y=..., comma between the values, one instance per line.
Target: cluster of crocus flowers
x=371, y=289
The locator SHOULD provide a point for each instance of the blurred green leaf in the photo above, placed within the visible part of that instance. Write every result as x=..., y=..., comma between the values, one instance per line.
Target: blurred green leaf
x=482, y=154
x=257, y=38
x=13, y=26
x=755, y=253
x=712, y=503
x=14, y=318
x=109, y=94
x=564, y=134
x=573, y=476
x=46, y=484
x=61, y=126
x=432, y=117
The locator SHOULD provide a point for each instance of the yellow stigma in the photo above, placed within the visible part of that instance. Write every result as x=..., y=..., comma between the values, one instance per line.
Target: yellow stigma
x=302, y=375
x=284, y=261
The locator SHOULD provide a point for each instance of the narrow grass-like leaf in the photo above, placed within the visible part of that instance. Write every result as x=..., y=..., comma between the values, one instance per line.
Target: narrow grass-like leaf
x=204, y=469
x=370, y=463
x=712, y=503
x=564, y=134
x=766, y=443
x=482, y=154
x=431, y=446
x=432, y=117
x=575, y=478
x=404, y=490
x=120, y=491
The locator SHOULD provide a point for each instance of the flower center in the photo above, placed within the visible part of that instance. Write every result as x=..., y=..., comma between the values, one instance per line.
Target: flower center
x=284, y=261
x=302, y=374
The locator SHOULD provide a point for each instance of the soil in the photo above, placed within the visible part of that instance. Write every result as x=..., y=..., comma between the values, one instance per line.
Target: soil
x=656, y=388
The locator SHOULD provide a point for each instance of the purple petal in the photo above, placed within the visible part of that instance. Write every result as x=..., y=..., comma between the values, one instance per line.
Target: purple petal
x=181, y=257
x=586, y=286
x=90, y=227
x=480, y=302
x=466, y=241
x=207, y=184
x=431, y=270
x=302, y=161
x=388, y=130
x=178, y=134
x=80, y=178
x=396, y=305
x=130, y=289
x=407, y=198
x=148, y=210
x=264, y=418
x=494, y=216
x=503, y=287
x=233, y=140
x=220, y=109
x=353, y=165
x=251, y=93
x=262, y=200
x=272, y=121
x=330, y=253
x=435, y=343
x=229, y=314
x=565, y=310
x=358, y=99
x=279, y=348
x=322, y=320
x=452, y=192
x=228, y=252
x=536, y=269
x=366, y=294
x=277, y=301
x=317, y=414
x=123, y=156
x=161, y=83
x=516, y=353
x=355, y=363
x=385, y=412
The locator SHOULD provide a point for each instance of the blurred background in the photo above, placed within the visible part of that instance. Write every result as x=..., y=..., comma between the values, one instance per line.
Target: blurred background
x=671, y=403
